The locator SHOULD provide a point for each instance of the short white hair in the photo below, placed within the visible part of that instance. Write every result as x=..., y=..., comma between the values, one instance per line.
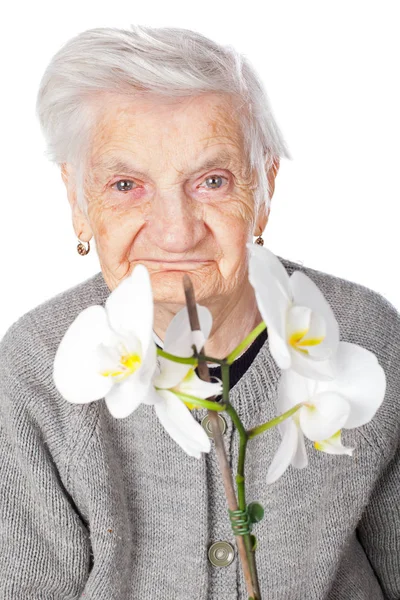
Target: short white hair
x=167, y=61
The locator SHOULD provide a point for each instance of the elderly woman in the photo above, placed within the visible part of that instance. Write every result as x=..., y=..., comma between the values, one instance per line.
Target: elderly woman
x=169, y=151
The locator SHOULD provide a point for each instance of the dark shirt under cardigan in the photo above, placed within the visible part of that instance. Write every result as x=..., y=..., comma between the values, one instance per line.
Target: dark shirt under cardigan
x=241, y=364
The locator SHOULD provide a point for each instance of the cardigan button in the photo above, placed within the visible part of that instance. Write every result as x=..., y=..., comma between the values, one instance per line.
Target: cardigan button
x=221, y=554
x=205, y=423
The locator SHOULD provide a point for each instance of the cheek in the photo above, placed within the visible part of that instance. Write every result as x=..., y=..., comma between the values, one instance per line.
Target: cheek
x=231, y=237
x=231, y=240
x=245, y=213
x=114, y=235
x=102, y=231
x=231, y=230
x=235, y=214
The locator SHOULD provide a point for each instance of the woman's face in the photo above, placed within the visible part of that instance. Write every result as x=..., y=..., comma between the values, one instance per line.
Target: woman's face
x=166, y=180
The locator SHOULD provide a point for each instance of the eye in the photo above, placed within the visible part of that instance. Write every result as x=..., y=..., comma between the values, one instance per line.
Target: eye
x=214, y=179
x=124, y=188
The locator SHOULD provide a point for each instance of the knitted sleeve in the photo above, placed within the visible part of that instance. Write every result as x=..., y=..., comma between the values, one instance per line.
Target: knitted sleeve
x=379, y=528
x=44, y=544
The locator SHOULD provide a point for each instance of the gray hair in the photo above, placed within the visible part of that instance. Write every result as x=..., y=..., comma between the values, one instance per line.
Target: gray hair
x=172, y=62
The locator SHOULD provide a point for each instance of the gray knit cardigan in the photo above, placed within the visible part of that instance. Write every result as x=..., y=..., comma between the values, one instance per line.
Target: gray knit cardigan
x=103, y=509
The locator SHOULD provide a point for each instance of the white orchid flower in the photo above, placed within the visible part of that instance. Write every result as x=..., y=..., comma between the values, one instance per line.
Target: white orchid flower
x=174, y=377
x=109, y=351
x=303, y=332
x=348, y=401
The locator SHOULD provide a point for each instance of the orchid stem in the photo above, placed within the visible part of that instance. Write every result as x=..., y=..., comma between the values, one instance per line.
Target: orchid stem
x=218, y=361
x=247, y=340
x=209, y=404
x=219, y=445
x=190, y=360
x=240, y=479
x=251, y=433
x=240, y=476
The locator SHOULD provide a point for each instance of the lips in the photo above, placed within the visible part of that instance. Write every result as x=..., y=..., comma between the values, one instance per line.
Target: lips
x=177, y=265
x=175, y=261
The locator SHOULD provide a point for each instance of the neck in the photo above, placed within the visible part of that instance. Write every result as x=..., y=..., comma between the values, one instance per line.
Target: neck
x=233, y=319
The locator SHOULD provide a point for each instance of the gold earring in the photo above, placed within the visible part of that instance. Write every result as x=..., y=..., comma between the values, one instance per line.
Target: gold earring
x=81, y=248
x=259, y=241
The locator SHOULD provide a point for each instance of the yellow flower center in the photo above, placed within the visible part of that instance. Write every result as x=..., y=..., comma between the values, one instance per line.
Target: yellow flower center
x=334, y=438
x=296, y=341
x=129, y=363
x=185, y=379
x=189, y=405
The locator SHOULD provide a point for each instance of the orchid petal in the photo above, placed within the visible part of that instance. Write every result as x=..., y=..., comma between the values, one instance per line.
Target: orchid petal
x=293, y=389
x=170, y=374
x=300, y=459
x=178, y=337
x=271, y=285
x=306, y=331
x=285, y=453
x=178, y=421
x=279, y=349
x=272, y=303
x=333, y=445
x=125, y=397
x=194, y=386
x=178, y=341
x=76, y=368
x=323, y=370
x=263, y=260
x=297, y=322
x=328, y=412
x=360, y=379
x=117, y=349
x=313, y=340
x=148, y=367
x=307, y=293
x=130, y=306
x=152, y=397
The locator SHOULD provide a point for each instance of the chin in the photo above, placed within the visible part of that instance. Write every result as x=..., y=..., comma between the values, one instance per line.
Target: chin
x=168, y=287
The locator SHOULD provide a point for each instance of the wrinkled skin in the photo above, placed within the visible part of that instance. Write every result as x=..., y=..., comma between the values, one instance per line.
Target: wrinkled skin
x=166, y=207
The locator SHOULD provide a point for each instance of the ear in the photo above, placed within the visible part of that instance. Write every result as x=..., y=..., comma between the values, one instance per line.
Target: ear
x=80, y=223
x=263, y=213
x=272, y=173
x=262, y=219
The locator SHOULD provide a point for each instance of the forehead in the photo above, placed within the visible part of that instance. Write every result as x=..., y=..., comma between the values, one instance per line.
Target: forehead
x=156, y=124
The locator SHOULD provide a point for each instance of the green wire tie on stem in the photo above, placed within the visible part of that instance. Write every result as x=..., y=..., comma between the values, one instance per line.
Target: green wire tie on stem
x=240, y=521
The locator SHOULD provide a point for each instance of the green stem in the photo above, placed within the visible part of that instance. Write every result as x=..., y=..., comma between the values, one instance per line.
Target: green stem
x=219, y=361
x=240, y=476
x=251, y=433
x=190, y=360
x=240, y=479
x=209, y=404
x=247, y=340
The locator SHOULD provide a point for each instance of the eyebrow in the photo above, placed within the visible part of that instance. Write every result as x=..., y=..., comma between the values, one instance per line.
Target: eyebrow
x=222, y=159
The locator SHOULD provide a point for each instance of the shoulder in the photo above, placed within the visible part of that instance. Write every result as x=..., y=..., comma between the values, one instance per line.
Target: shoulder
x=363, y=314
x=368, y=319
x=27, y=351
x=47, y=322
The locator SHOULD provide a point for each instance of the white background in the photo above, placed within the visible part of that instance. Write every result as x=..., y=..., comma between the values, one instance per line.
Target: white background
x=331, y=70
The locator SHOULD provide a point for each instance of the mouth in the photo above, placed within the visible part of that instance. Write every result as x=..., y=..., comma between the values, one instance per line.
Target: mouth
x=177, y=265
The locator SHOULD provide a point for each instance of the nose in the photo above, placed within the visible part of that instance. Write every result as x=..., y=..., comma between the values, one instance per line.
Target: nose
x=175, y=222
